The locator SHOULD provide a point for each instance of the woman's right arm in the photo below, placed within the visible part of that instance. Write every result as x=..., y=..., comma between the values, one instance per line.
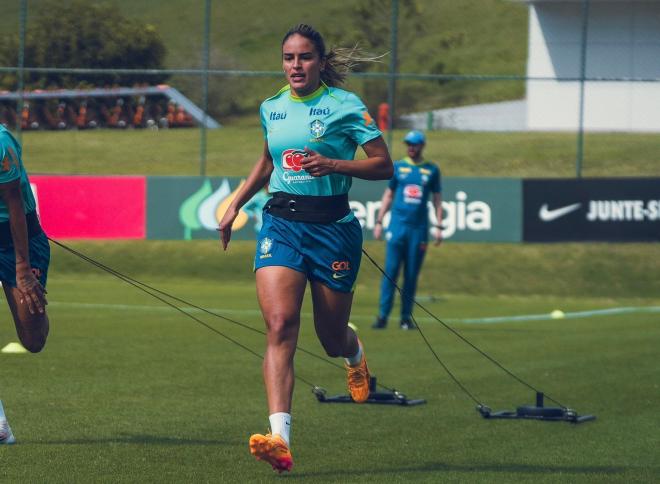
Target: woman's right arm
x=258, y=178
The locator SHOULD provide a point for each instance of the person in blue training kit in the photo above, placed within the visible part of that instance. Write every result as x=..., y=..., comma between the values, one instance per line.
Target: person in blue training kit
x=312, y=129
x=407, y=234
x=24, y=256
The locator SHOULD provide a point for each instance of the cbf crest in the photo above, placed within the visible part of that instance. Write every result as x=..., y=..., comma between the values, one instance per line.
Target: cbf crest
x=317, y=128
x=264, y=247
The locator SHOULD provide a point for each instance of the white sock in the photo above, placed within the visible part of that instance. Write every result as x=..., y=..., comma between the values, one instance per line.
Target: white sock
x=280, y=423
x=2, y=411
x=355, y=360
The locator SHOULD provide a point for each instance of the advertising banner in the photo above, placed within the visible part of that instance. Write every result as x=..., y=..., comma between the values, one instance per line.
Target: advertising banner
x=91, y=207
x=191, y=207
x=616, y=210
x=474, y=209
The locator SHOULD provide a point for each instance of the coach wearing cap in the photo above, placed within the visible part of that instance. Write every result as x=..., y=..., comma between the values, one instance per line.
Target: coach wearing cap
x=408, y=230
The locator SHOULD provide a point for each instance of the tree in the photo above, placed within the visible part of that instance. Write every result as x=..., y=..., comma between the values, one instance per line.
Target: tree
x=82, y=34
x=369, y=28
x=420, y=45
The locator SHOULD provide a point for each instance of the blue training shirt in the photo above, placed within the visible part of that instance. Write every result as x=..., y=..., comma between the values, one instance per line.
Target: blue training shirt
x=412, y=183
x=11, y=168
x=330, y=121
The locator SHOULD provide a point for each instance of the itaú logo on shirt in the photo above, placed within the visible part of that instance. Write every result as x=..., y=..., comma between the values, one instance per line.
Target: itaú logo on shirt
x=275, y=116
x=412, y=194
x=292, y=159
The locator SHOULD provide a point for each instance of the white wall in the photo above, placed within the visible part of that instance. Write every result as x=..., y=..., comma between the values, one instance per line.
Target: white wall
x=623, y=41
x=494, y=117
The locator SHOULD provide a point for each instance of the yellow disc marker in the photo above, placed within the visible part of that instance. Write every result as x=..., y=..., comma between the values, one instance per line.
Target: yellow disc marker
x=14, y=348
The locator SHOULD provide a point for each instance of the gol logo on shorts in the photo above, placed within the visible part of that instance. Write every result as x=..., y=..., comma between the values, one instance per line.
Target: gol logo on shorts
x=343, y=265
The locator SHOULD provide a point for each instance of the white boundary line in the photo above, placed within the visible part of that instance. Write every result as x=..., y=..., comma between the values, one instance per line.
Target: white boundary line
x=550, y=316
x=359, y=317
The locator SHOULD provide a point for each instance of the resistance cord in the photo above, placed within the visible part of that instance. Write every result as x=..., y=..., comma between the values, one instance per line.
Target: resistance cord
x=166, y=299
x=462, y=338
x=163, y=297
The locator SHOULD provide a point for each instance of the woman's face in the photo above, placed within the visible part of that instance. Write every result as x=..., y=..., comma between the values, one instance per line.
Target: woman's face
x=302, y=65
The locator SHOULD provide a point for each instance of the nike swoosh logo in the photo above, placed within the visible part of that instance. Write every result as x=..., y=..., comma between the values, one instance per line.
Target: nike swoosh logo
x=548, y=215
x=338, y=276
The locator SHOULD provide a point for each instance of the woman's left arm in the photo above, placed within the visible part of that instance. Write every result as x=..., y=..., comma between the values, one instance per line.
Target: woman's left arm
x=377, y=165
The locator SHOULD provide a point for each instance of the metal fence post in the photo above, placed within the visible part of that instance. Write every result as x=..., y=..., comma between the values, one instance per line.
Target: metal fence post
x=391, y=87
x=205, y=86
x=21, y=69
x=583, y=72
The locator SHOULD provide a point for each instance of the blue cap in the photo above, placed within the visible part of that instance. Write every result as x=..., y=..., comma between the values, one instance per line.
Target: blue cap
x=415, y=138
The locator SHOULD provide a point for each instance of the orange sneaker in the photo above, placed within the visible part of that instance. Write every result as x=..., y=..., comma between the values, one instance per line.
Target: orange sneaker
x=272, y=449
x=358, y=380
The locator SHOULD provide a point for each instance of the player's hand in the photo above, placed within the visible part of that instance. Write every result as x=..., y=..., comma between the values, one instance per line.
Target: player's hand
x=317, y=165
x=32, y=292
x=437, y=235
x=378, y=231
x=225, y=226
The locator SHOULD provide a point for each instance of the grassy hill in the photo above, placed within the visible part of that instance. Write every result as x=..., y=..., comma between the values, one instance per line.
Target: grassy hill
x=436, y=36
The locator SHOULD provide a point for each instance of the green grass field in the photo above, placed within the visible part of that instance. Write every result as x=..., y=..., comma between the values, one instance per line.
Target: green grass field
x=233, y=150
x=128, y=390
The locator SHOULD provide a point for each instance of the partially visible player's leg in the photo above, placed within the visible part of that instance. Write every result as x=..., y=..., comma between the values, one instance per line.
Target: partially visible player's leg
x=334, y=256
x=281, y=282
x=415, y=252
x=6, y=435
x=32, y=329
x=394, y=254
x=331, y=312
x=280, y=291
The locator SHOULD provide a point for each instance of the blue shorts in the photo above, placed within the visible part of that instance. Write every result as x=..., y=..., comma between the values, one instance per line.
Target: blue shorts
x=327, y=253
x=39, y=260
